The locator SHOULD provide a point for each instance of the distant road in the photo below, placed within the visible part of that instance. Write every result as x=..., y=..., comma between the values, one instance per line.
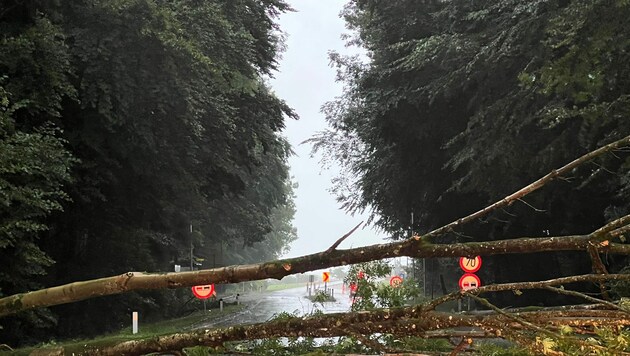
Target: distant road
x=261, y=307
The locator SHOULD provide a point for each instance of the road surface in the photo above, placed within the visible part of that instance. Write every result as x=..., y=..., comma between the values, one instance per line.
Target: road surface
x=261, y=307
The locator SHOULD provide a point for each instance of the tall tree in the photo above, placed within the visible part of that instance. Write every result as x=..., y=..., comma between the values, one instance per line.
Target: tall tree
x=166, y=107
x=461, y=102
x=34, y=159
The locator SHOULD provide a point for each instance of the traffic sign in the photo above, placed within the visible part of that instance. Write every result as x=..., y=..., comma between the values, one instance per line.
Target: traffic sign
x=395, y=281
x=470, y=265
x=326, y=277
x=204, y=291
x=469, y=281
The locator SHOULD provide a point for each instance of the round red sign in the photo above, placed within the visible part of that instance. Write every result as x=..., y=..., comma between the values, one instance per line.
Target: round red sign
x=395, y=281
x=469, y=281
x=470, y=265
x=203, y=292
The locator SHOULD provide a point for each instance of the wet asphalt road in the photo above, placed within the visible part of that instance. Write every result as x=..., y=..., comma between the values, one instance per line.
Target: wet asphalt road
x=261, y=307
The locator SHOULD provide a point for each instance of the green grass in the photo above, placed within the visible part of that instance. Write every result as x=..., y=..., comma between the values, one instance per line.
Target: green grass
x=282, y=286
x=144, y=331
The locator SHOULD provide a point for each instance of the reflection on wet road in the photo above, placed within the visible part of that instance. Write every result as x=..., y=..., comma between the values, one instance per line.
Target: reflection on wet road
x=261, y=307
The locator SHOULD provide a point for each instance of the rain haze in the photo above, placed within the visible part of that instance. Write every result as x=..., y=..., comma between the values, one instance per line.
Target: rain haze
x=306, y=81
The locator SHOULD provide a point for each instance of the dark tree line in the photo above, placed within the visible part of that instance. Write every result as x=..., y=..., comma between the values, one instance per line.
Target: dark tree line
x=461, y=102
x=121, y=124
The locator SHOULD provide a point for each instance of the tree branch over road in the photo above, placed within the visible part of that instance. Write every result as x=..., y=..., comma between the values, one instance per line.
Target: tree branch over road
x=134, y=281
x=414, y=247
x=419, y=320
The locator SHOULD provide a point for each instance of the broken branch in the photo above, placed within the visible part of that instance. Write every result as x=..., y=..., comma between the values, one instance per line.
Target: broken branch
x=340, y=240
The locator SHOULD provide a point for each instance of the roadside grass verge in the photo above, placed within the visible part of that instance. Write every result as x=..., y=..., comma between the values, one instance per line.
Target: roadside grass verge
x=145, y=330
x=282, y=286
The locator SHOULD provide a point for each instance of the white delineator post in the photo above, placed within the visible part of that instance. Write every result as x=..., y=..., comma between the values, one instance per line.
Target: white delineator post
x=134, y=322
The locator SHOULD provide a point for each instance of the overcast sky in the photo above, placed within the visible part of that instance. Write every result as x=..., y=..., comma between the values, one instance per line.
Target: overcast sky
x=306, y=81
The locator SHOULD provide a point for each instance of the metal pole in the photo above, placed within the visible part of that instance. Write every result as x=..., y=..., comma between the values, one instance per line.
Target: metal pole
x=424, y=276
x=191, y=247
x=221, y=304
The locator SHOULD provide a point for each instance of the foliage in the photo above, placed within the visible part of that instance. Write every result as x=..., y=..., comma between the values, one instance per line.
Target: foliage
x=34, y=159
x=34, y=164
x=460, y=103
x=372, y=292
x=123, y=123
x=321, y=297
x=621, y=289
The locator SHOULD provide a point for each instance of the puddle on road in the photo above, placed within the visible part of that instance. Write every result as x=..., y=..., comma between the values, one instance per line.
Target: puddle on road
x=263, y=307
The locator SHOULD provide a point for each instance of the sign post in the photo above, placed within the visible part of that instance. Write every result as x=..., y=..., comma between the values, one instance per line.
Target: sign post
x=325, y=279
x=469, y=280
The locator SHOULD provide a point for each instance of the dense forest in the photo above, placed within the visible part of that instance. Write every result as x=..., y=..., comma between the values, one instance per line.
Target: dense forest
x=462, y=102
x=136, y=135
x=132, y=132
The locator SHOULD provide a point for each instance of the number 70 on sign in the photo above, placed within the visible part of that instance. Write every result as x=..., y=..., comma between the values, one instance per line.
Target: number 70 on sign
x=470, y=265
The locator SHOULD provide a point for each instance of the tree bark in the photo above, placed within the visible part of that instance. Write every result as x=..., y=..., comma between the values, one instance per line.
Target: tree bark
x=418, y=246
x=135, y=281
x=413, y=321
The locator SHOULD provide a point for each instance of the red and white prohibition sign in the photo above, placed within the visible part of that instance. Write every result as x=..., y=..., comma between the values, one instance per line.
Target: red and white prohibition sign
x=469, y=281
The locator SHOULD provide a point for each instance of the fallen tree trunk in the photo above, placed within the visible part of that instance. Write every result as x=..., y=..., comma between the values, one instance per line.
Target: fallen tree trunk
x=419, y=246
x=519, y=325
x=130, y=281
x=410, y=321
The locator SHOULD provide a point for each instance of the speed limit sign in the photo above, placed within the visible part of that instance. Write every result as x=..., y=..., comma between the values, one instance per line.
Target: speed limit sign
x=470, y=265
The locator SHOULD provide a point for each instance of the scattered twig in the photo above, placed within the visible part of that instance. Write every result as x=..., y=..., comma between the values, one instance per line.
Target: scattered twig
x=461, y=346
x=567, y=179
x=586, y=297
x=526, y=285
x=519, y=320
x=508, y=200
x=601, y=233
x=373, y=344
x=531, y=206
x=619, y=232
x=535, y=327
x=598, y=267
x=6, y=347
x=340, y=240
x=603, y=168
x=508, y=213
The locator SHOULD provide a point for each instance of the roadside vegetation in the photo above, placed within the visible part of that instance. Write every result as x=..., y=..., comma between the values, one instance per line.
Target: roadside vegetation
x=145, y=330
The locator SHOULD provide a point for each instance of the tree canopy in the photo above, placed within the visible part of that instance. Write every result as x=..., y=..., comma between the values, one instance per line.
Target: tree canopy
x=461, y=102
x=123, y=124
